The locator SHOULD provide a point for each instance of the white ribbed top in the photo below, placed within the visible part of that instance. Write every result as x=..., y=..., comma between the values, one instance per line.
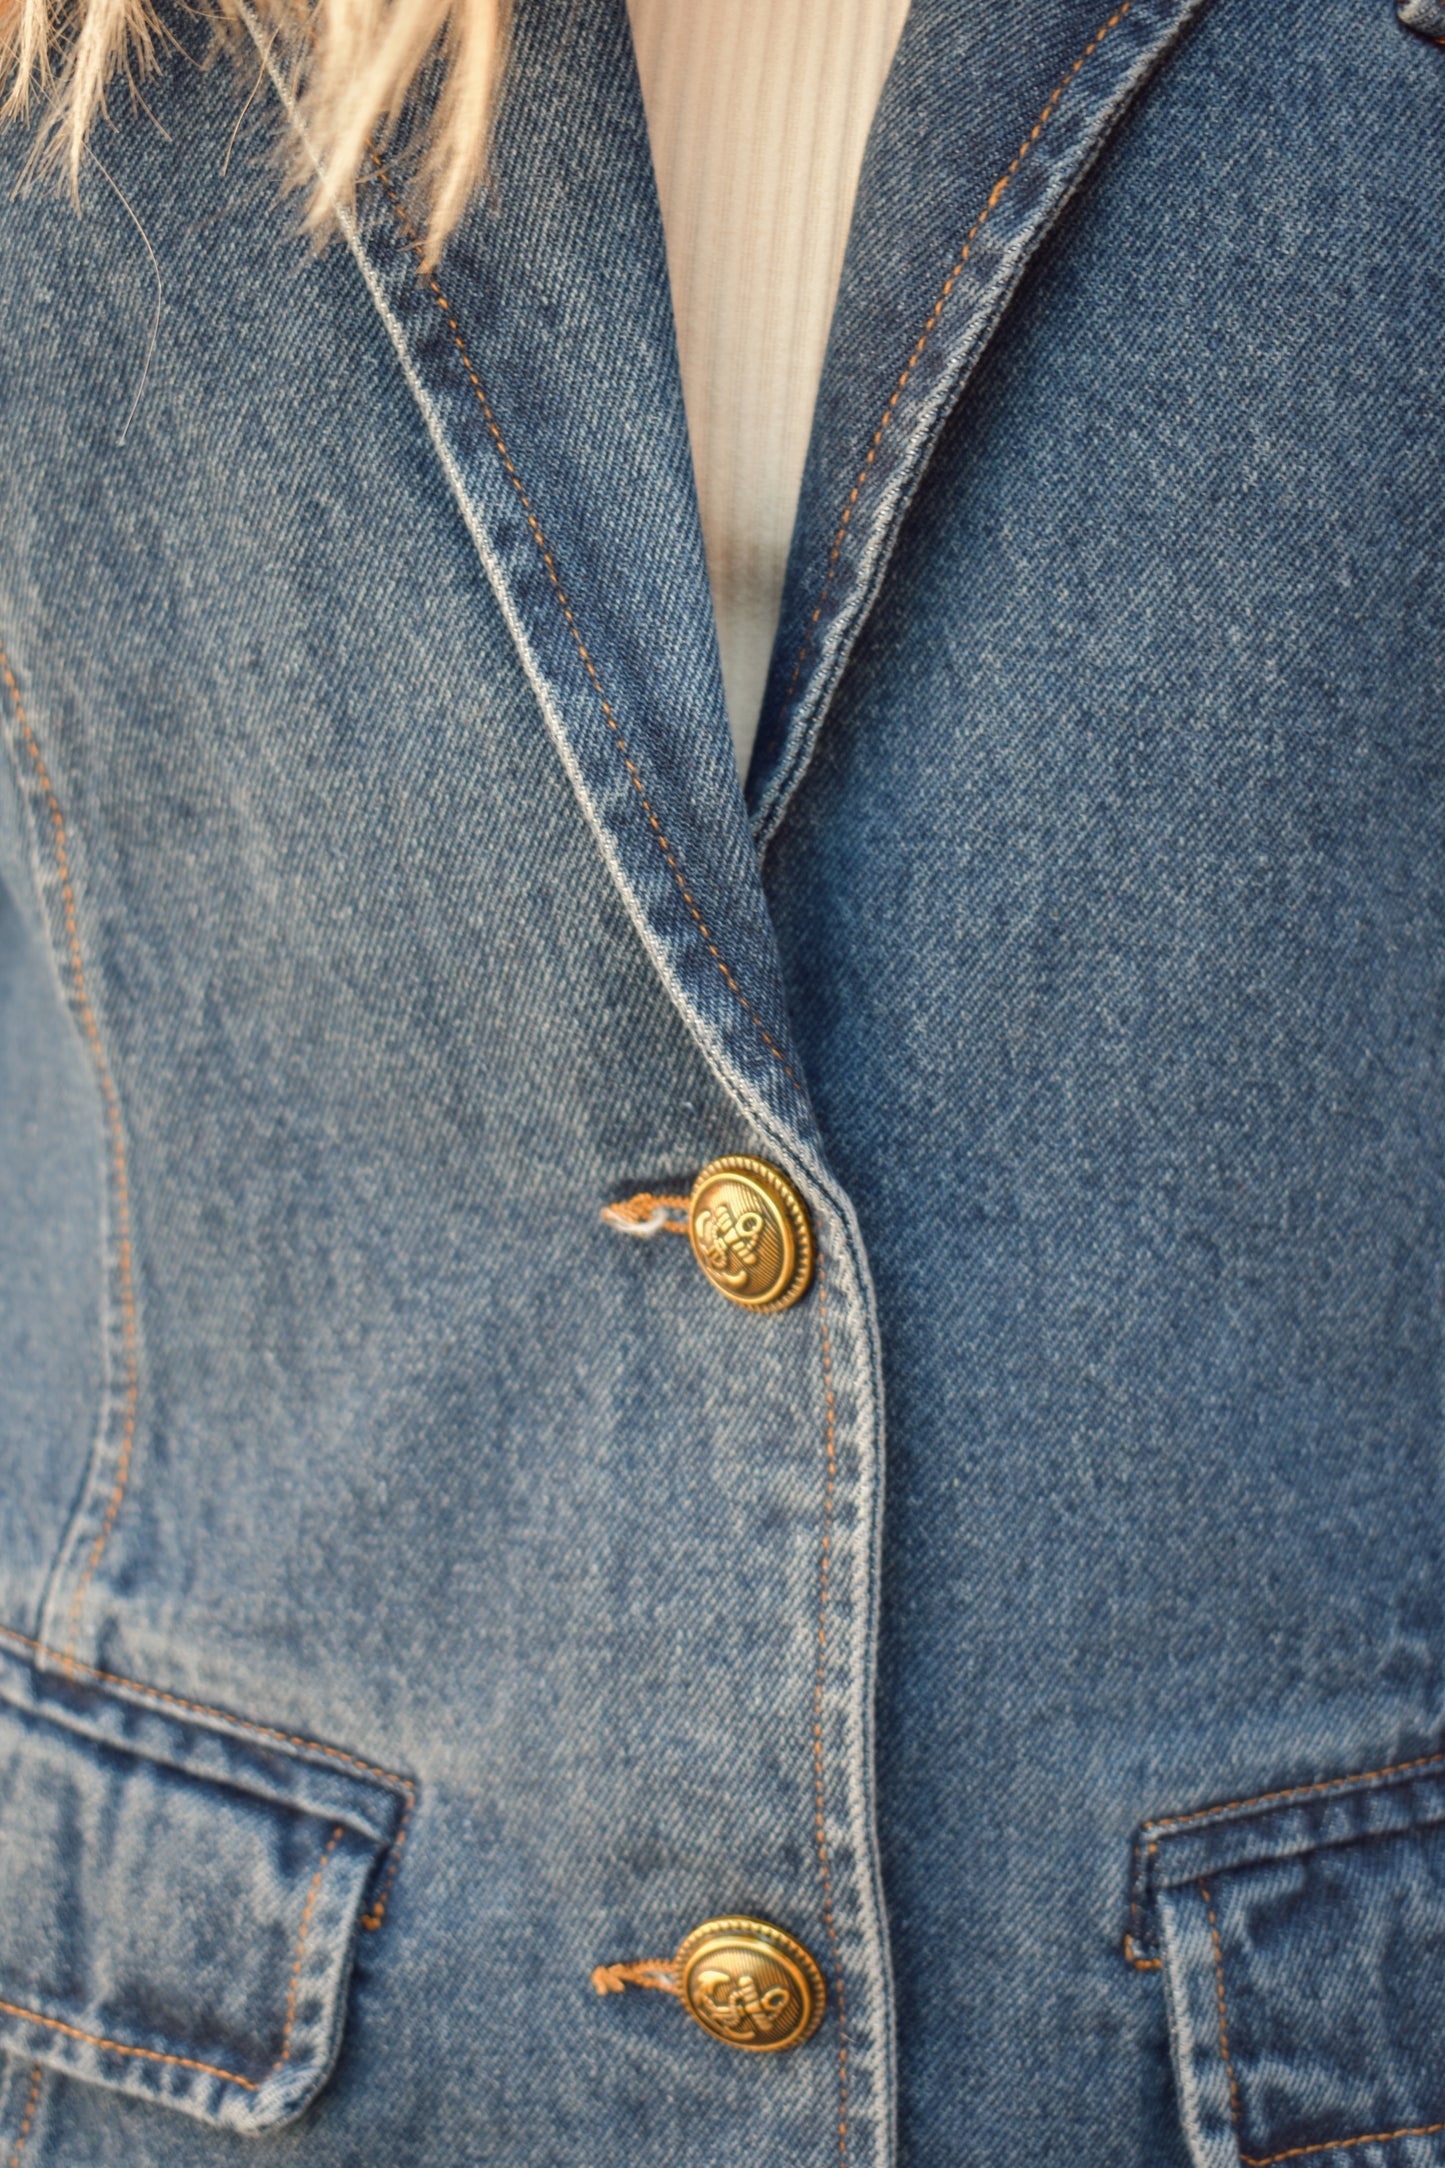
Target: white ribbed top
x=758, y=112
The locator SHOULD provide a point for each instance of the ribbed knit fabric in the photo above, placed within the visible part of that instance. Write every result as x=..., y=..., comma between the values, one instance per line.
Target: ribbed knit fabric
x=758, y=112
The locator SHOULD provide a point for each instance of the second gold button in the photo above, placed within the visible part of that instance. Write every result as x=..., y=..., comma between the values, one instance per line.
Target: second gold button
x=751, y=1233
x=751, y=1984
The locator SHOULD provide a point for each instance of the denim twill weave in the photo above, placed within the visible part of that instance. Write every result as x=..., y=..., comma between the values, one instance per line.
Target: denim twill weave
x=416, y=1592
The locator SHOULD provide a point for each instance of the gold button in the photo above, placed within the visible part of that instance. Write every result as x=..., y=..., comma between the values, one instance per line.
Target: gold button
x=750, y=1984
x=751, y=1233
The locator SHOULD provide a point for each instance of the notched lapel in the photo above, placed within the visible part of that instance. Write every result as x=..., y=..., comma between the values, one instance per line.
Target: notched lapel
x=988, y=123
x=542, y=357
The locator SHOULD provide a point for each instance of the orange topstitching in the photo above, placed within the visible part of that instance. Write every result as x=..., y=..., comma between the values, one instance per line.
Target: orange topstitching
x=1293, y=2152
x=415, y=243
x=117, y=1139
x=822, y=1834
x=996, y=193
x=650, y=1972
x=1131, y=1944
x=187, y=2062
x=1297, y=1791
x=1341, y=2145
x=1167, y=1823
x=1223, y=2018
x=372, y=1920
x=405, y=1785
x=310, y=1906
x=32, y=2102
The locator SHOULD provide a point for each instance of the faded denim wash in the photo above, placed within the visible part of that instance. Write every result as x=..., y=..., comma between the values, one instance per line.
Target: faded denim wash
x=416, y=1592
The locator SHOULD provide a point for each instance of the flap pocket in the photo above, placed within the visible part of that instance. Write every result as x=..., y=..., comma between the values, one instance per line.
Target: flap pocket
x=1302, y=1941
x=179, y=1895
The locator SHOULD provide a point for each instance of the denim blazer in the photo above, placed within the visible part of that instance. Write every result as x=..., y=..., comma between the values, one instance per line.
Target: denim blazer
x=424, y=1598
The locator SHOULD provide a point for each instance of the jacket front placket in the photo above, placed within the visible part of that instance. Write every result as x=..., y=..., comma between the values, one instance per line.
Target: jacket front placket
x=541, y=357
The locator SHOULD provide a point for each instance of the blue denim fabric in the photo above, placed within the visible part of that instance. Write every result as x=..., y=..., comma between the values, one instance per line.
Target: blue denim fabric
x=416, y=1592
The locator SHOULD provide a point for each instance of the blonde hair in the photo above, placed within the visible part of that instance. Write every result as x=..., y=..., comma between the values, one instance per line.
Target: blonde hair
x=351, y=65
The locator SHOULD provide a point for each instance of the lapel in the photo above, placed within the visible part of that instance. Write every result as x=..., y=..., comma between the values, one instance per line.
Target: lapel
x=990, y=118
x=542, y=357
x=543, y=360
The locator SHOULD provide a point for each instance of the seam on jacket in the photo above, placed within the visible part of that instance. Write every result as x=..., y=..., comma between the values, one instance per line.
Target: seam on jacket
x=1342, y=2145
x=118, y=1155
x=32, y=2102
x=822, y=1834
x=187, y=2062
x=1223, y=2015
x=995, y=196
x=372, y=1920
x=221, y=1716
x=390, y=1777
x=1170, y=1822
x=284, y=2055
x=1166, y=1824
x=1294, y=2152
x=414, y=242
x=1143, y=1868
x=120, y=2047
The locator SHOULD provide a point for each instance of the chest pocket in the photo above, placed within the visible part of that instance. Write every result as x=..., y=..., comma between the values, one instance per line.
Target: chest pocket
x=179, y=1896
x=1302, y=1942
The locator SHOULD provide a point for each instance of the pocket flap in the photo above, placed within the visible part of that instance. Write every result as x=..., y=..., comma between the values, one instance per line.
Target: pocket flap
x=179, y=1896
x=1302, y=1941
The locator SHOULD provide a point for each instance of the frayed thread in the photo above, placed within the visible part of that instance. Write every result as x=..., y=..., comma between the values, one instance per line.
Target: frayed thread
x=647, y=1215
x=658, y=1972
